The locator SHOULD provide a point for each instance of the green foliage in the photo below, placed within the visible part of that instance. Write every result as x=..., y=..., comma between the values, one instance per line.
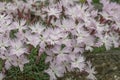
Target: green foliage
x=1, y=62
x=12, y=34
x=6, y=0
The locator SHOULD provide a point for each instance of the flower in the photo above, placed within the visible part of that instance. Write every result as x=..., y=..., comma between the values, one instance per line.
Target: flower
x=91, y=71
x=73, y=29
x=66, y=3
x=61, y=54
x=20, y=25
x=72, y=12
x=32, y=39
x=82, y=35
x=106, y=41
x=5, y=23
x=37, y=28
x=78, y=62
x=1, y=76
x=17, y=48
x=55, y=71
x=20, y=61
x=8, y=59
x=51, y=74
x=2, y=6
x=4, y=42
x=52, y=11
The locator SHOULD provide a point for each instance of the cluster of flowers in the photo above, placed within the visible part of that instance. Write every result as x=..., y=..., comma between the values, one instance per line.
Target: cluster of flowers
x=63, y=29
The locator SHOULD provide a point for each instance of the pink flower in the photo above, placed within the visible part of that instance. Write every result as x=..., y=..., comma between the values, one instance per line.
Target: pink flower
x=32, y=39
x=20, y=61
x=52, y=11
x=20, y=25
x=82, y=35
x=106, y=41
x=4, y=42
x=91, y=71
x=5, y=22
x=8, y=59
x=78, y=62
x=37, y=28
x=58, y=54
x=2, y=76
x=66, y=3
x=17, y=48
x=72, y=12
x=2, y=6
x=55, y=71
